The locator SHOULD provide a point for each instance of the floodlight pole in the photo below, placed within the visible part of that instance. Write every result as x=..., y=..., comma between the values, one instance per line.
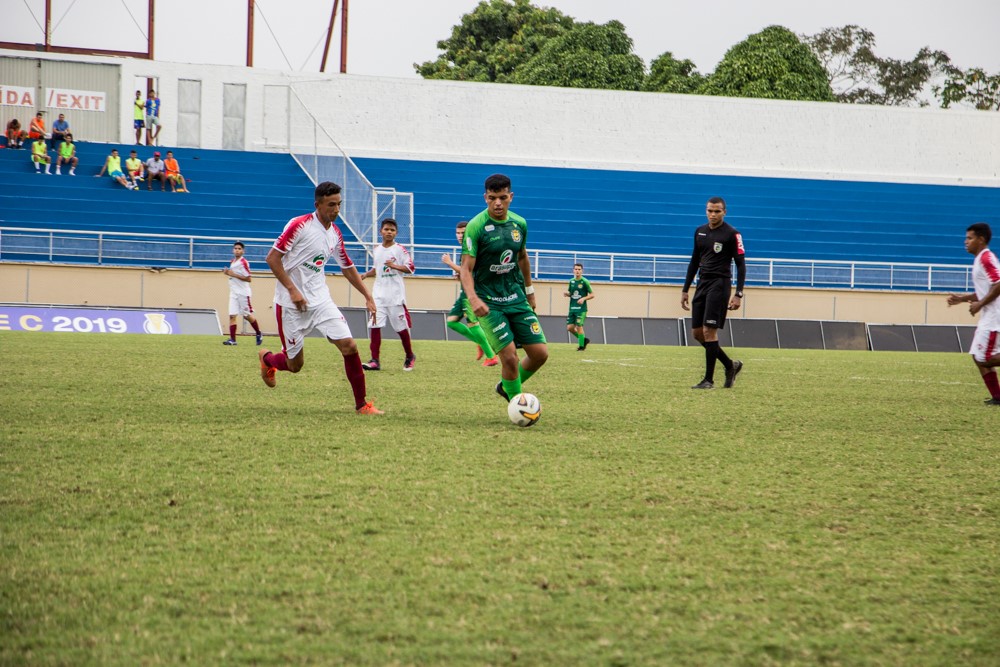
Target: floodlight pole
x=250, y=33
x=343, y=39
x=48, y=25
x=150, y=29
x=329, y=35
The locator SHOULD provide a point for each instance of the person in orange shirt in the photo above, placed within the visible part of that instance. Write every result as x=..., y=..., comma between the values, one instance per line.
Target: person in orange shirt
x=36, y=130
x=177, y=182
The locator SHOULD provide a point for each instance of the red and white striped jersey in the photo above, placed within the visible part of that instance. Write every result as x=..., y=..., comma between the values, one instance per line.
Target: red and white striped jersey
x=241, y=267
x=389, y=289
x=986, y=272
x=306, y=246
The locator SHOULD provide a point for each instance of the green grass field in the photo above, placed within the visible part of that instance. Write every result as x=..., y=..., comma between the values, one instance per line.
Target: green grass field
x=159, y=505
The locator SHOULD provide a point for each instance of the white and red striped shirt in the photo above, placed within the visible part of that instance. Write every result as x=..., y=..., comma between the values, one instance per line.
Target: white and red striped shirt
x=388, y=289
x=306, y=246
x=985, y=273
x=240, y=267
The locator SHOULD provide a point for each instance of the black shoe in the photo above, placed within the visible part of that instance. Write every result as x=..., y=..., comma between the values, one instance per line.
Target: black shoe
x=372, y=365
x=502, y=393
x=229, y=341
x=586, y=342
x=704, y=384
x=732, y=373
x=992, y=401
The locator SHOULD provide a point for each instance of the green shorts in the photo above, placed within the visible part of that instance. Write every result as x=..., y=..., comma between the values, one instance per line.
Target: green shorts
x=576, y=317
x=512, y=324
x=461, y=309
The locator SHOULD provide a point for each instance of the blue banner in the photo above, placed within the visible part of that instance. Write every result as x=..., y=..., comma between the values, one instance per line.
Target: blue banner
x=86, y=320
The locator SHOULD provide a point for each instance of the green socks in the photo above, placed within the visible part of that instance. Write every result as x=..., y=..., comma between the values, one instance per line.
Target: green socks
x=475, y=334
x=580, y=338
x=512, y=387
x=524, y=374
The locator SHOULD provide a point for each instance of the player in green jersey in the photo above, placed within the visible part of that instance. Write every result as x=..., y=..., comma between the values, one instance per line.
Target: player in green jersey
x=496, y=275
x=579, y=293
x=461, y=309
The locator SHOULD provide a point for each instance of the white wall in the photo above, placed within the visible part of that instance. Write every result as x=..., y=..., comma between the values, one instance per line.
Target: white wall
x=375, y=116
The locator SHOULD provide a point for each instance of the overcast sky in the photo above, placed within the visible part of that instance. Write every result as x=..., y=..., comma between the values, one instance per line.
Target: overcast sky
x=387, y=36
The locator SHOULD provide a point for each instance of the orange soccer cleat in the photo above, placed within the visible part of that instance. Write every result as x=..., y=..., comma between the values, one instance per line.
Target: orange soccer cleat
x=492, y=361
x=266, y=372
x=479, y=353
x=369, y=409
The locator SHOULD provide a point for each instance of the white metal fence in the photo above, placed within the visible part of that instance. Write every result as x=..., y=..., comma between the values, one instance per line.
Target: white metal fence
x=199, y=252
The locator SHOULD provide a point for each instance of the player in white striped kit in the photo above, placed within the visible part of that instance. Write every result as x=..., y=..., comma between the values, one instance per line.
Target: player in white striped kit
x=391, y=262
x=986, y=279
x=239, y=294
x=302, y=299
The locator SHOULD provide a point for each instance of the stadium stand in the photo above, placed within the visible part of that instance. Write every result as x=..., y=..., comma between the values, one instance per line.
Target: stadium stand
x=234, y=194
x=635, y=212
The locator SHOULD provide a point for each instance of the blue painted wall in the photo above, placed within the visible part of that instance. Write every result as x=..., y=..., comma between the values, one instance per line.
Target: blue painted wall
x=645, y=212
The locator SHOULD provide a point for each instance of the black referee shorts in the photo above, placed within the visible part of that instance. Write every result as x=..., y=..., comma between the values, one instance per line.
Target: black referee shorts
x=711, y=303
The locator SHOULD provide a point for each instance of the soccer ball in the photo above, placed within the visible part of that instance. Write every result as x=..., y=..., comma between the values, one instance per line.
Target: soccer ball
x=524, y=410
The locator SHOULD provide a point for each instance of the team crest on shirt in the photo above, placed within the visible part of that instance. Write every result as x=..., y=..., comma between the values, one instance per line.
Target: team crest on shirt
x=535, y=328
x=515, y=235
x=717, y=247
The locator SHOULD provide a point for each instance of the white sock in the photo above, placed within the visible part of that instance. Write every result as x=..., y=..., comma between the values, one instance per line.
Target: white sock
x=58, y=171
x=38, y=167
x=72, y=171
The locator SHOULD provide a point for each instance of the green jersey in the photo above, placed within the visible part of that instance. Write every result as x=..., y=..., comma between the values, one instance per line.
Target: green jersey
x=496, y=246
x=578, y=288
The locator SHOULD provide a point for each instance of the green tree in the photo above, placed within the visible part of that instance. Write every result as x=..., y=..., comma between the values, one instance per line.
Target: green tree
x=494, y=40
x=587, y=56
x=669, y=75
x=857, y=75
x=771, y=64
x=973, y=87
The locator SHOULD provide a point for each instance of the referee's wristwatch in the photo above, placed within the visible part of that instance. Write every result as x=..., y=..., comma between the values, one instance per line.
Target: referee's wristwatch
x=739, y=295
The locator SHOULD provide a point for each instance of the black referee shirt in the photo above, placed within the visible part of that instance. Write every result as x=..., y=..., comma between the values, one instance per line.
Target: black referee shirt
x=714, y=252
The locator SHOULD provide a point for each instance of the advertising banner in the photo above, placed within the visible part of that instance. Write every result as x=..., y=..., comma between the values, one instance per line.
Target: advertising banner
x=85, y=320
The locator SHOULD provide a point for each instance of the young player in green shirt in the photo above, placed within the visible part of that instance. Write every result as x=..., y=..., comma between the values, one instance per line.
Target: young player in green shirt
x=461, y=309
x=496, y=275
x=579, y=293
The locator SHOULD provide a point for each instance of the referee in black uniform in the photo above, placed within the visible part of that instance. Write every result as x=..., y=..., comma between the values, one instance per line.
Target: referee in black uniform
x=717, y=246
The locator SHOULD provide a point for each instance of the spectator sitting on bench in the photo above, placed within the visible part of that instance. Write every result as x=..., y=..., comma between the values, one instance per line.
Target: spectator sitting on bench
x=113, y=165
x=15, y=134
x=177, y=182
x=40, y=155
x=133, y=168
x=60, y=129
x=67, y=155
x=156, y=171
x=36, y=129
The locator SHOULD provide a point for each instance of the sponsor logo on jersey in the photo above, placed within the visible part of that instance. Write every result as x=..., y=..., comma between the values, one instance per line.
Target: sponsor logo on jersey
x=739, y=244
x=515, y=235
x=717, y=247
x=489, y=228
x=504, y=299
x=316, y=263
x=499, y=327
x=468, y=243
x=506, y=264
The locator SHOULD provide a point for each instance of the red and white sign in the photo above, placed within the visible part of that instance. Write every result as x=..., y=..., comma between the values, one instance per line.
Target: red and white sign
x=16, y=96
x=75, y=100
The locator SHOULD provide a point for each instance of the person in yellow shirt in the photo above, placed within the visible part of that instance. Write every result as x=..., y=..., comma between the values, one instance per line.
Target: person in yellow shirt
x=113, y=165
x=134, y=169
x=138, y=116
x=40, y=155
x=67, y=155
x=174, y=176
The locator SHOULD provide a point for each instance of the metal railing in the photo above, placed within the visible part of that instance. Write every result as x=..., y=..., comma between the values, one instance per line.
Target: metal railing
x=322, y=159
x=19, y=244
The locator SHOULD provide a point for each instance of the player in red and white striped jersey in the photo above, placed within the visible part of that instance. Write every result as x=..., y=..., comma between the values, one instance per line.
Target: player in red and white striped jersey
x=239, y=294
x=391, y=262
x=986, y=280
x=302, y=298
